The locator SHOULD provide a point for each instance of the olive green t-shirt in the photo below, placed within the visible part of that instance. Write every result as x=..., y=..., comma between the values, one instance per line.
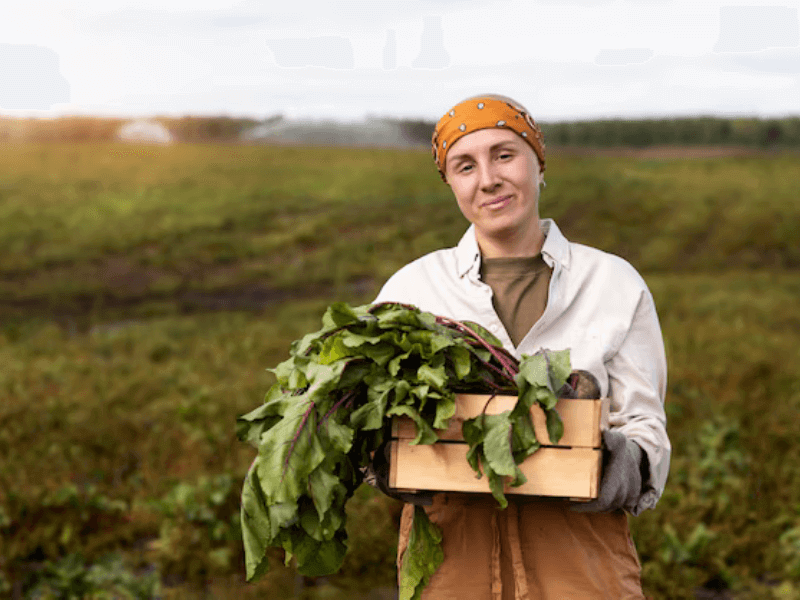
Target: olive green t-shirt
x=520, y=286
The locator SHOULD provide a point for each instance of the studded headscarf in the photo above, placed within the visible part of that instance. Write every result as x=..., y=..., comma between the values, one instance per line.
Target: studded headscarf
x=483, y=113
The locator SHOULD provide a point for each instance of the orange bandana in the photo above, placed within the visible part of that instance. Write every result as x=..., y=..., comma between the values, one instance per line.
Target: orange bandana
x=483, y=113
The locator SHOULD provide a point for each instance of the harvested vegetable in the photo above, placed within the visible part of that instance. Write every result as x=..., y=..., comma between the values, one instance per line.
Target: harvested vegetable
x=332, y=406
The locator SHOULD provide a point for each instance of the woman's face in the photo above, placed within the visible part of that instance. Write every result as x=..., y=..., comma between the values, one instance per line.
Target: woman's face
x=495, y=177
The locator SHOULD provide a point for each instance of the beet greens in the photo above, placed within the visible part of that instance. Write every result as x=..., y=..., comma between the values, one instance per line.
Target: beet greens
x=332, y=406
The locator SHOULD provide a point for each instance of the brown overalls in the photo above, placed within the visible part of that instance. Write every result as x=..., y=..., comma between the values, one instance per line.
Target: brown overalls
x=533, y=550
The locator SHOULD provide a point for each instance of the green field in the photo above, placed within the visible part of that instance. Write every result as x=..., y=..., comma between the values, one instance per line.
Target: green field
x=145, y=290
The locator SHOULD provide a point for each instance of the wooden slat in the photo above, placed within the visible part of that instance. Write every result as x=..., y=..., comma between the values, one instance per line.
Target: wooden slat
x=563, y=472
x=583, y=419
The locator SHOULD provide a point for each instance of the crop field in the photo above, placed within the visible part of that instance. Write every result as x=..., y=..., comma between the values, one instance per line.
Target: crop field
x=145, y=290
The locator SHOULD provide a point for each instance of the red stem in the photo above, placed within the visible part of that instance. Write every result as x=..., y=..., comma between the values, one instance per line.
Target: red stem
x=507, y=363
x=348, y=396
x=296, y=437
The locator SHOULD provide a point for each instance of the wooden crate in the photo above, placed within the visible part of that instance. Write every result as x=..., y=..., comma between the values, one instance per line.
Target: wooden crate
x=570, y=469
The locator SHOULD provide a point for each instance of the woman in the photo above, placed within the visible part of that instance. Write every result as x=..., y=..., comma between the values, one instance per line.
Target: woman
x=520, y=278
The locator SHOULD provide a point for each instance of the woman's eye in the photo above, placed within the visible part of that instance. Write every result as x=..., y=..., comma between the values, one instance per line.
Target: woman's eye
x=465, y=168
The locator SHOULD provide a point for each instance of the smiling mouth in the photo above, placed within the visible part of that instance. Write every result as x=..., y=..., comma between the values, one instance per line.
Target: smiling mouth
x=497, y=202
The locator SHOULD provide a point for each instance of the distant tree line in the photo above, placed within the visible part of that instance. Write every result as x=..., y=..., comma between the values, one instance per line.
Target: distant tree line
x=710, y=131
x=75, y=129
x=210, y=129
x=66, y=129
x=637, y=133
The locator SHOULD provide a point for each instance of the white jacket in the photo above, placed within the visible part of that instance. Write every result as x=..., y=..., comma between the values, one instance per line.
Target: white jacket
x=598, y=306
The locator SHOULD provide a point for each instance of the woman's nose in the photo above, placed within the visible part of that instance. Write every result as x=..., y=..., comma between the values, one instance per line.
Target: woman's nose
x=489, y=176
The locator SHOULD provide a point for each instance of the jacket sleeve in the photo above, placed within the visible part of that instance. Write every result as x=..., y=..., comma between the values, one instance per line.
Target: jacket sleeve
x=637, y=381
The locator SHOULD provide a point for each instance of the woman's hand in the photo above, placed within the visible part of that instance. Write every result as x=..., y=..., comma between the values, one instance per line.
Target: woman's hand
x=621, y=485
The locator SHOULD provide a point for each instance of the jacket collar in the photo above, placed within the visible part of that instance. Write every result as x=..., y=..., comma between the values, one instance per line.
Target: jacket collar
x=555, y=249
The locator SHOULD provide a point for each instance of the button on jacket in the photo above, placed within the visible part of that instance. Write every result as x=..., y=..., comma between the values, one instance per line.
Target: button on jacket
x=598, y=306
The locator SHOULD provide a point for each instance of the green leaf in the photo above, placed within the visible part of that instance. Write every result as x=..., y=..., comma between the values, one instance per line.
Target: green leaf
x=497, y=458
x=440, y=341
x=297, y=380
x=371, y=414
x=325, y=527
x=461, y=361
x=392, y=316
x=497, y=444
x=401, y=390
x=302, y=346
x=336, y=435
x=311, y=524
x=523, y=441
x=559, y=368
x=256, y=527
x=326, y=559
x=472, y=431
x=379, y=353
x=435, y=376
x=555, y=428
x=323, y=485
x=445, y=409
x=333, y=349
x=314, y=558
x=323, y=379
x=396, y=363
x=340, y=314
x=540, y=377
x=422, y=557
x=497, y=486
x=420, y=392
x=421, y=343
x=532, y=373
x=288, y=453
x=251, y=426
x=484, y=333
x=281, y=516
x=354, y=374
x=359, y=341
x=425, y=433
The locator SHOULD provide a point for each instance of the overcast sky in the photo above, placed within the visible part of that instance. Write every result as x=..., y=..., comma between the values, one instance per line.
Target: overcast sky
x=563, y=59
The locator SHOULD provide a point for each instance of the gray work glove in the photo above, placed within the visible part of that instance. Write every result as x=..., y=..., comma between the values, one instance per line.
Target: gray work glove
x=380, y=469
x=624, y=468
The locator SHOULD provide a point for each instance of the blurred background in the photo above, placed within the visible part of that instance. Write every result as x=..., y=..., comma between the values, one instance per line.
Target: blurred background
x=184, y=188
